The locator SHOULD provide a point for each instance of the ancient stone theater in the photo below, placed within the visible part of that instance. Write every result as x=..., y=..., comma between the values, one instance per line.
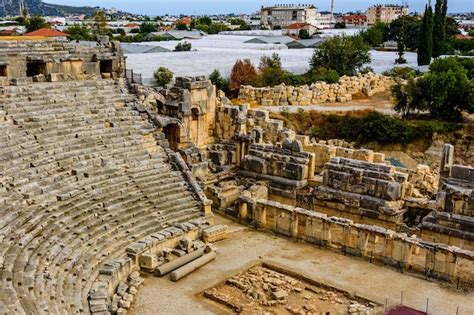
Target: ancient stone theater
x=105, y=183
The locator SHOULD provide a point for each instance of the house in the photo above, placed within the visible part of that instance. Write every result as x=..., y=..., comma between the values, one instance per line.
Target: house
x=295, y=28
x=354, y=20
x=48, y=32
x=462, y=37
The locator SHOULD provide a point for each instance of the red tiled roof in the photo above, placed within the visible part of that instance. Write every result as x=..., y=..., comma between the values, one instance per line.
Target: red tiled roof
x=185, y=20
x=296, y=26
x=131, y=25
x=354, y=17
x=47, y=32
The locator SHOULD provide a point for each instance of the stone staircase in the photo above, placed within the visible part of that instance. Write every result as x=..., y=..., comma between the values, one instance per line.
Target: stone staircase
x=81, y=178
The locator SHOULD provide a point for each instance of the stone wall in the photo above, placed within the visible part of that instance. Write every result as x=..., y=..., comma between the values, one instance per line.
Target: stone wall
x=316, y=93
x=59, y=60
x=398, y=250
x=286, y=165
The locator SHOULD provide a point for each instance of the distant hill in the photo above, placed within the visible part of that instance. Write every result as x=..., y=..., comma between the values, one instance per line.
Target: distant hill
x=11, y=7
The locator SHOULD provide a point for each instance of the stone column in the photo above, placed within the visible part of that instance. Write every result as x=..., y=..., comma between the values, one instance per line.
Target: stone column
x=447, y=161
x=294, y=225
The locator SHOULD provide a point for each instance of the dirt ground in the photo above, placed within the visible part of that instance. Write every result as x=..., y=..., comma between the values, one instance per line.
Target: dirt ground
x=245, y=248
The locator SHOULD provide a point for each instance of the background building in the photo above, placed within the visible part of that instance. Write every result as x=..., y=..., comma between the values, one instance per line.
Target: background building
x=283, y=15
x=385, y=13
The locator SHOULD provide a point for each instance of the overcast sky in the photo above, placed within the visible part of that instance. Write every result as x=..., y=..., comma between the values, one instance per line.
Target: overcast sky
x=161, y=7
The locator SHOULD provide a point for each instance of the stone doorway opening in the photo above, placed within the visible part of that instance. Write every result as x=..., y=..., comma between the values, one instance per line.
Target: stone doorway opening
x=3, y=71
x=35, y=68
x=106, y=66
x=173, y=134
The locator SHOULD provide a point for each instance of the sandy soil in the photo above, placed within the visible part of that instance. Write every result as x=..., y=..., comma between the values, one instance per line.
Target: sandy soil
x=246, y=248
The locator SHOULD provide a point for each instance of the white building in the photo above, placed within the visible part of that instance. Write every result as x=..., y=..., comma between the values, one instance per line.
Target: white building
x=283, y=15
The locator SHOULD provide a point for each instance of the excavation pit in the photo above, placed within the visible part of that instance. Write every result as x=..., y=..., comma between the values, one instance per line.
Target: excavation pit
x=269, y=289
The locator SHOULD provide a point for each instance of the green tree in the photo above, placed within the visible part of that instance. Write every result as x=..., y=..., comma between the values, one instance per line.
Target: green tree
x=444, y=91
x=439, y=28
x=147, y=27
x=35, y=23
x=270, y=62
x=163, y=76
x=304, y=34
x=407, y=25
x=100, y=23
x=78, y=32
x=451, y=26
x=181, y=27
x=221, y=83
x=340, y=25
x=376, y=34
x=186, y=46
x=425, y=43
x=345, y=54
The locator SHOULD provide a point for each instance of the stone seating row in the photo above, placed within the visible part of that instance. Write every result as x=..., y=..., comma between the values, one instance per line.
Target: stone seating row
x=75, y=191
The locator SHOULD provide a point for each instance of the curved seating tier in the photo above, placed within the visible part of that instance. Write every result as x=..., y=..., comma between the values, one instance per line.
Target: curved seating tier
x=81, y=178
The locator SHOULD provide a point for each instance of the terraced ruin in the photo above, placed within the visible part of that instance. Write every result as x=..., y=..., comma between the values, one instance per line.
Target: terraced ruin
x=103, y=180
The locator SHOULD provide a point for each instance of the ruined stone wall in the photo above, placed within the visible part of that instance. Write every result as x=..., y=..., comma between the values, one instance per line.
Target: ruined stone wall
x=288, y=162
x=398, y=250
x=59, y=60
x=316, y=93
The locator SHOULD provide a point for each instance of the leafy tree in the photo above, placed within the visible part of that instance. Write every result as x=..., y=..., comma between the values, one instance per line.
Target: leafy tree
x=181, y=27
x=100, y=22
x=35, y=23
x=451, y=26
x=221, y=83
x=344, y=54
x=243, y=73
x=270, y=62
x=425, y=43
x=243, y=25
x=439, y=27
x=186, y=46
x=205, y=20
x=163, y=76
x=444, y=91
x=376, y=34
x=304, y=34
x=340, y=25
x=407, y=25
x=147, y=27
x=78, y=32
x=322, y=74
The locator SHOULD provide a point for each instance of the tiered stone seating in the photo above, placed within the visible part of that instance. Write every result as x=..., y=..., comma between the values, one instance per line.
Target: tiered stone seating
x=81, y=178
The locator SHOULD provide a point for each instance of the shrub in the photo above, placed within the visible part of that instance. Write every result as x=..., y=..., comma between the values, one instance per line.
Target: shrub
x=221, y=83
x=163, y=76
x=183, y=47
x=304, y=34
